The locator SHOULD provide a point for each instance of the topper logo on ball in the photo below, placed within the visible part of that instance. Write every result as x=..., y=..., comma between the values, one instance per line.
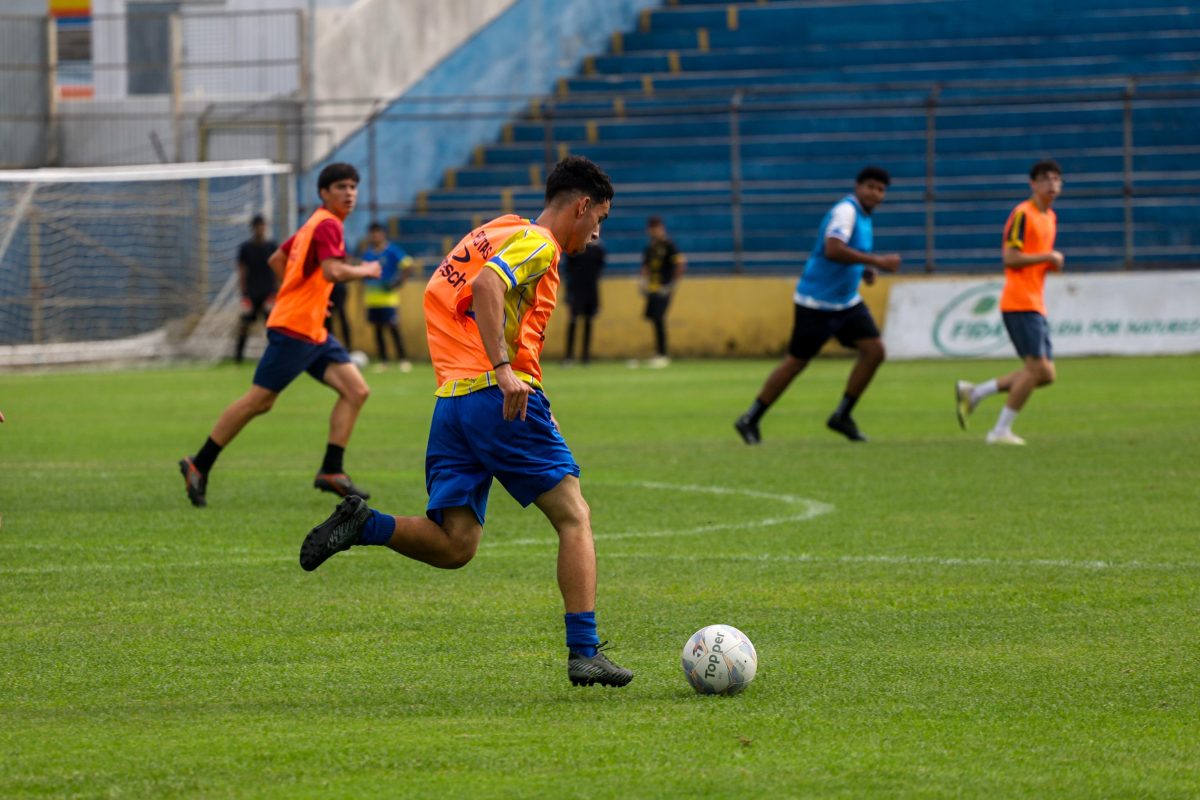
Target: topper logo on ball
x=713, y=657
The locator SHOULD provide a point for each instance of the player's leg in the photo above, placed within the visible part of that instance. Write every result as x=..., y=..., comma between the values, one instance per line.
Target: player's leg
x=380, y=343
x=352, y=390
x=585, y=354
x=810, y=331
x=855, y=327
x=398, y=340
x=284, y=359
x=448, y=544
x=244, y=321
x=1030, y=336
x=567, y=358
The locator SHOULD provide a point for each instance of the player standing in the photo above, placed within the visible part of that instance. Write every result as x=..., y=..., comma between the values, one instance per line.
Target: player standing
x=256, y=279
x=828, y=304
x=486, y=309
x=308, y=264
x=383, y=293
x=1028, y=254
x=662, y=268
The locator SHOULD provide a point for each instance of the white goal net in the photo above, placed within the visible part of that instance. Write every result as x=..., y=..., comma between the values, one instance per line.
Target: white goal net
x=128, y=263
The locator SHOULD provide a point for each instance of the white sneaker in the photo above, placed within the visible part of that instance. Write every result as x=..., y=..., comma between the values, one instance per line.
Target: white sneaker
x=406, y=366
x=1004, y=437
x=658, y=362
x=963, y=403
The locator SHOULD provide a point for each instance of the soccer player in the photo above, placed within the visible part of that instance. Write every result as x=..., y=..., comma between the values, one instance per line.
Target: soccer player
x=256, y=280
x=583, y=297
x=662, y=267
x=382, y=293
x=486, y=308
x=828, y=304
x=308, y=263
x=1028, y=254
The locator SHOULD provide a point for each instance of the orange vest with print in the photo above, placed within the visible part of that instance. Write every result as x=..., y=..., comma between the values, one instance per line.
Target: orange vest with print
x=1030, y=230
x=455, y=346
x=303, y=300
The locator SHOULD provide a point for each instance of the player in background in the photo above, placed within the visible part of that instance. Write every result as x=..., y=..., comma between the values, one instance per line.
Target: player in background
x=383, y=293
x=308, y=264
x=827, y=304
x=662, y=267
x=486, y=308
x=1028, y=254
x=583, y=297
x=256, y=280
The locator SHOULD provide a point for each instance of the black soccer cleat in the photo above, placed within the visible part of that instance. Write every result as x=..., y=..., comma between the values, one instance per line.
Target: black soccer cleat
x=342, y=529
x=843, y=424
x=585, y=671
x=195, y=481
x=748, y=430
x=339, y=483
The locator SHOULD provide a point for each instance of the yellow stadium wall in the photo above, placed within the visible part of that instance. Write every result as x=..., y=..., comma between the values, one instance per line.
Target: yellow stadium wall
x=709, y=317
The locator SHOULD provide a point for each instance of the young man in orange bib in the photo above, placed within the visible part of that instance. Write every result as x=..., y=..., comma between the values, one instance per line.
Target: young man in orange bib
x=486, y=309
x=308, y=265
x=1028, y=255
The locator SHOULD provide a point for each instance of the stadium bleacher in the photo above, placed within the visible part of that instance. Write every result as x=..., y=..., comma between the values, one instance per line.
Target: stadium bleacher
x=740, y=123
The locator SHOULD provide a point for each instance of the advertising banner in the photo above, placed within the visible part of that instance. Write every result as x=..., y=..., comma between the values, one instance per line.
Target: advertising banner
x=1145, y=313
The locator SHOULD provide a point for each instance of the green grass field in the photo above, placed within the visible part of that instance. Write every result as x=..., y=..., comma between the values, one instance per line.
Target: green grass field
x=934, y=617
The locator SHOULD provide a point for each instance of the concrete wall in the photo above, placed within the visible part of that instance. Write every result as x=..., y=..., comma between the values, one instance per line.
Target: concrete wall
x=755, y=319
x=381, y=48
x=523, y=52
x=24, y=86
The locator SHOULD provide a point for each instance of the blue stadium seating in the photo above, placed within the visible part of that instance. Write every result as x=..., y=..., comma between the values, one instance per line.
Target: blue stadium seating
x=783, y=101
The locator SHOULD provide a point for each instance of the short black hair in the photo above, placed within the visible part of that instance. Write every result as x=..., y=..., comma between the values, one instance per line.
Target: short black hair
x=1043, y=167
x=257, y=220
x=375, y=226
x=653, y=221
x=334, y=173
x=578, y=174
x=874, y=174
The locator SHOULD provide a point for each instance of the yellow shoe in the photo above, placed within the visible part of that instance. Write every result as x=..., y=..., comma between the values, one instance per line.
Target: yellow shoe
x=962, y=401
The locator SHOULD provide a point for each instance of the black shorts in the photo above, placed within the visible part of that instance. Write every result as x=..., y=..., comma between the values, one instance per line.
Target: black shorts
x=656, y=304
x=584, y=305
x=255, y=307
x=1029, y=333
x=813, y=328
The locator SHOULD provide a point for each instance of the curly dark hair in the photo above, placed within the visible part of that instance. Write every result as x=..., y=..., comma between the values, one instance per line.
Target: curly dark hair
x=334, y=173
x=578, y=174
x=1043, y=167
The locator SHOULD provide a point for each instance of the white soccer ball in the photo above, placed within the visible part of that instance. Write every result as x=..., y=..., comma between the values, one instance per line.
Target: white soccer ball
x=359, y=359
x=719, y=659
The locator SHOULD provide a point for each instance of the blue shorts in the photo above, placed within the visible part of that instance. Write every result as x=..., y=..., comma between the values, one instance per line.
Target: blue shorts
x=1029, y=333
x=381, y=315
x=286, y=357
x=470, y=443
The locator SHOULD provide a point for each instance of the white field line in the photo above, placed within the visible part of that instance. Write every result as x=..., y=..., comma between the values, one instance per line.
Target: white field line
x=805, y=509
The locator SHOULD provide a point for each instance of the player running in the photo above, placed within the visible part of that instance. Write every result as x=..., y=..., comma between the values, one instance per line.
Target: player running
x=486, y=309
x=1028, y=254
x=828, y=305
x=308, y=264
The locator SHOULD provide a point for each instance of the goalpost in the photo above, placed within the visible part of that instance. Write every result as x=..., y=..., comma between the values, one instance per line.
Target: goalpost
x=129, y=263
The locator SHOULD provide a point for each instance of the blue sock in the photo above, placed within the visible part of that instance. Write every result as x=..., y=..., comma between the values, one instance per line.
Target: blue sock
x=581, y=633
x=379, y=528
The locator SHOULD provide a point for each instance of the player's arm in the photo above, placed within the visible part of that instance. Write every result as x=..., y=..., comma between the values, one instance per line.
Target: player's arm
x=278, y=263
x=1015, y=258
x=842, y=253
x=339, y=271
x=488, y=291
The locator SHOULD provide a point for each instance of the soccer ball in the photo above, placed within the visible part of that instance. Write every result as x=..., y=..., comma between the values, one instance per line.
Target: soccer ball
x=719, y=659
x=359, y=359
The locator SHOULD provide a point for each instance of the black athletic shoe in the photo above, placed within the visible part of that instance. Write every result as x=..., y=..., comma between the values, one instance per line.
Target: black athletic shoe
x=339, y=483
x=195, y=481
x=342, y=529
x=585, y=671
x=748, y=430
x=844, y=425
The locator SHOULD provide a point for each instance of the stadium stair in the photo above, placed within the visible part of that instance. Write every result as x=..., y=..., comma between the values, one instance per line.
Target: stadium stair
x=823, y=88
